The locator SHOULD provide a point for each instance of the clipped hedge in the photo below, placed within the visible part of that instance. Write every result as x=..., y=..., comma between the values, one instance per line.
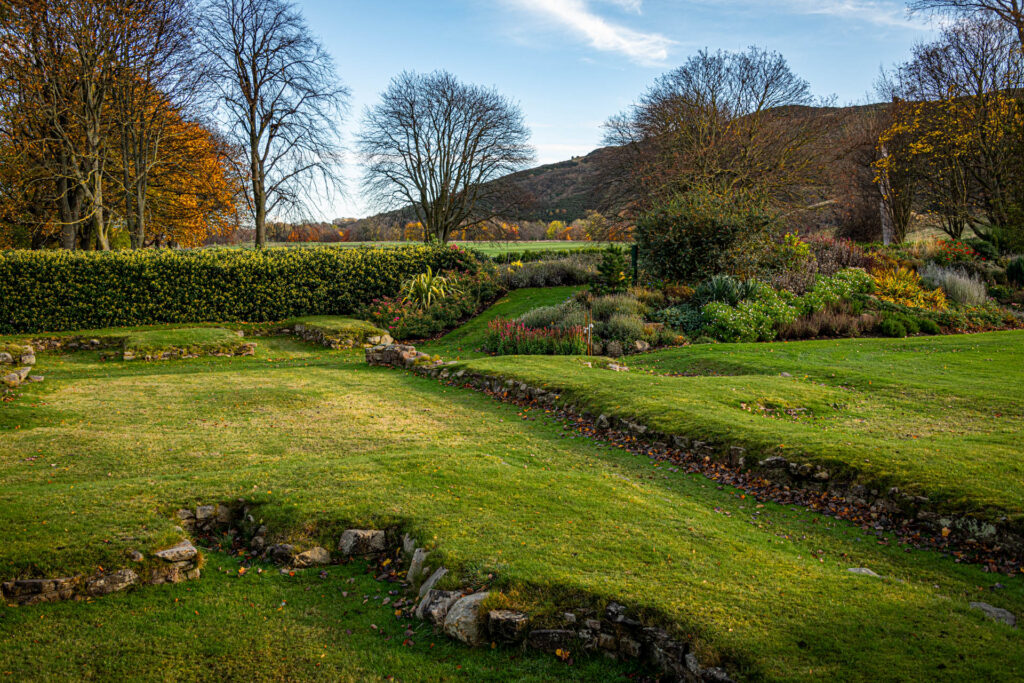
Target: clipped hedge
x=63, y=290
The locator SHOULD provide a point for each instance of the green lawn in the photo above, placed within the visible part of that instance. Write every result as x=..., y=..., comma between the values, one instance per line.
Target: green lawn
x=94, y=461
x=939, y=416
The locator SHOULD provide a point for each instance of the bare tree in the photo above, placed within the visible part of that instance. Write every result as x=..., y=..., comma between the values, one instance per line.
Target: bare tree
x=739, y=121
x=439, y=145
x=1010, y=12
x=280, y=98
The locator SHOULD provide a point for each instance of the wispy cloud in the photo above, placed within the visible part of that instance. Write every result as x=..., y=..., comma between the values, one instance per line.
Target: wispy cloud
x=598, y=32
x=890, y=13
x=634, y=6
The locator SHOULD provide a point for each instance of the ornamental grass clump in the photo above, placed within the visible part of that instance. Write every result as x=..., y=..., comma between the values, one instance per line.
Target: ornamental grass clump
x=426, y=288
x=957, y=283
x=511, y=337
x=577, y=269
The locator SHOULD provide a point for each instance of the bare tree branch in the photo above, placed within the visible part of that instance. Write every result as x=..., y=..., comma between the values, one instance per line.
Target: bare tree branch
x=279, y=97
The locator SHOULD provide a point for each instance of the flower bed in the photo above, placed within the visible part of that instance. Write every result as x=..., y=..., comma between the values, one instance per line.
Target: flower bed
x=511, y=337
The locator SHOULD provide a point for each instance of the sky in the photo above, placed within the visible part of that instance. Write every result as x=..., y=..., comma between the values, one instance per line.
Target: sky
x=571, y=64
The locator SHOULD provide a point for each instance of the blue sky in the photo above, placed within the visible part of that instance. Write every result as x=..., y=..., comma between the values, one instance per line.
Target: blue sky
x=573, y=63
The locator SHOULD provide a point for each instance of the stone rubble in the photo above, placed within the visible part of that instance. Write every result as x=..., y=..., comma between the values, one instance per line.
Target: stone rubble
x=178, y=563
x=466, y=621
x=243, y=349
x=361, y=542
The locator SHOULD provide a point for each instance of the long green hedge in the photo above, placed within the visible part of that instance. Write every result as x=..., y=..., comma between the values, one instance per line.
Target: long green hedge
x=62, y=290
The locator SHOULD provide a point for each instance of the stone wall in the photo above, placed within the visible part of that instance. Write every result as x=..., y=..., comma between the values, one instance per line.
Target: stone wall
x=171, y=565
x=317, y=335
x=462, y=613
x=242, y=349
x=22, y=358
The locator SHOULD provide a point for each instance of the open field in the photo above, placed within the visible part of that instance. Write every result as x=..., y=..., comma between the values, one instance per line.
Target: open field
x=94, y=461
x=489, y=248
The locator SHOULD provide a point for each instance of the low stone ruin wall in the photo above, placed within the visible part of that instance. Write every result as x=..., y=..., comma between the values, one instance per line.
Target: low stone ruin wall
x=400, y=356
x=316, y=335
x=461, y=613
x=242, y=349
x=171, y=565
x=22, y=358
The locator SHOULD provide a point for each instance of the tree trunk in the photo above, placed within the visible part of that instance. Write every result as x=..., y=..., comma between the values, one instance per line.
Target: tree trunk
x=886, y=222
x=259, y=193
x=261, y=218
x=70, y=209
x=140, y=217
x=99, y=222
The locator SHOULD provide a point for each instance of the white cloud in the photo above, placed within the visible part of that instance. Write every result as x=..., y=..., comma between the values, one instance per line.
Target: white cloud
x=634, y=6
x=891, y=13
x=578, y=17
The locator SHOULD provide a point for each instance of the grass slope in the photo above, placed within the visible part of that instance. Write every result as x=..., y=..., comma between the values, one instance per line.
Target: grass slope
x=465, y=341
x=255, y=627
x=336, y=326
x=936, y=415
x=94, y=461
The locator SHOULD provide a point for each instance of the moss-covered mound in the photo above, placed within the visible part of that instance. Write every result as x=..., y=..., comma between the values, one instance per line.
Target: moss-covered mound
x=337, y=333
x=186, y=343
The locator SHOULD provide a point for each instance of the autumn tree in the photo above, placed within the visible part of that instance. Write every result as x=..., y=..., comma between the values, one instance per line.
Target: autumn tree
x=96, y=103
x=159, y=73
x=60, y=63
x=439, y=146
x=279, y=98
x=960, y=111
x=195, y=194
x=858, y=205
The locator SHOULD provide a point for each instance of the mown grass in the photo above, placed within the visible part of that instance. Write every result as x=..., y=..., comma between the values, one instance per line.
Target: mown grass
x=256, y=626
x=465, y=341
x=94, y=461
x=939, y=416
x=193, y=339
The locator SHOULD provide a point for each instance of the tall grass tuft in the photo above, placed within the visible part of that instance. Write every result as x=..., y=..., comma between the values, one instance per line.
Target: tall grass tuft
x=957, y=283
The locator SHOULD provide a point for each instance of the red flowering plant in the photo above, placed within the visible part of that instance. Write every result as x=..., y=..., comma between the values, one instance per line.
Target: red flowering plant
x=955, y=251
x=511, y=337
